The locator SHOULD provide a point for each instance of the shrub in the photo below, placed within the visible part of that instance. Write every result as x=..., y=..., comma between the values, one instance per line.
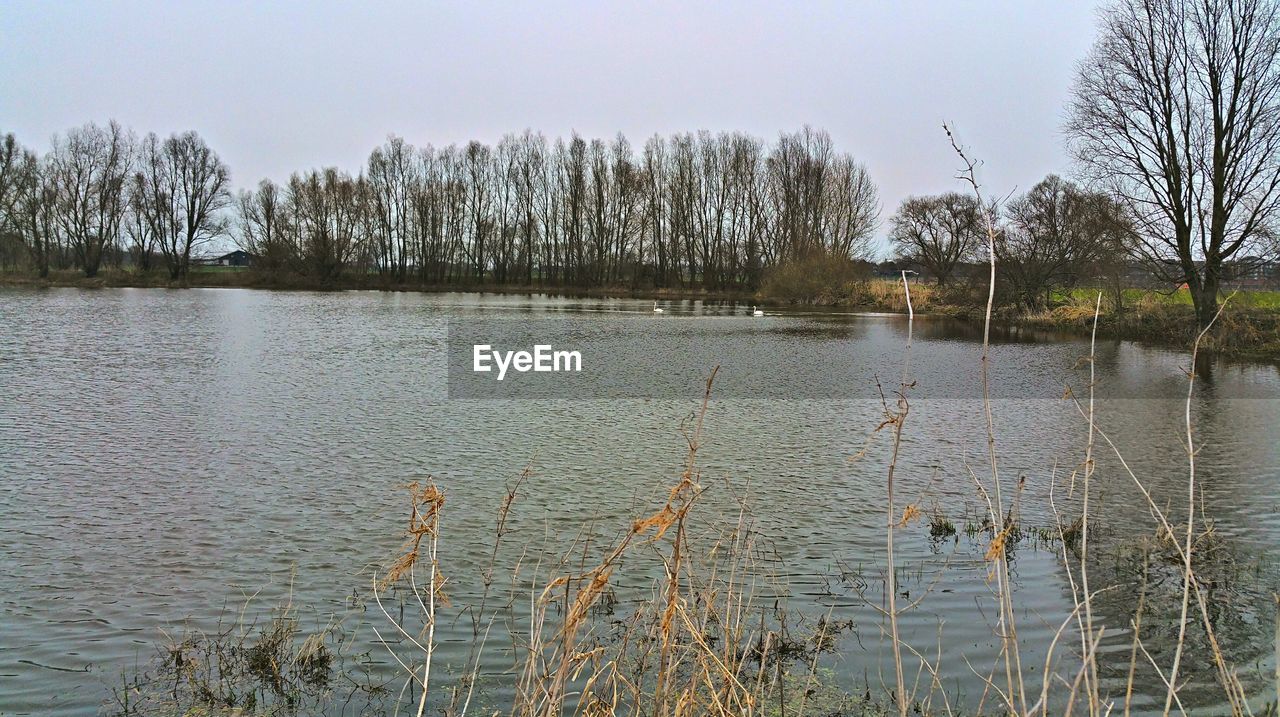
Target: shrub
x=817, y=277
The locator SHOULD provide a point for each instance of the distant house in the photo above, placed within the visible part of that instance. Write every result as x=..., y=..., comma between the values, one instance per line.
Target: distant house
x=235, y=258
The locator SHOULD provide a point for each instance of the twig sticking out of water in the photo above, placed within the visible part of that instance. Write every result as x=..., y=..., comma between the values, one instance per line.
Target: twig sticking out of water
x=1014, y=694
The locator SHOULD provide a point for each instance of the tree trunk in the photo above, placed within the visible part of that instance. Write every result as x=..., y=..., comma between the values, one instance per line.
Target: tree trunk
x=1206, y=300
x=42, y=257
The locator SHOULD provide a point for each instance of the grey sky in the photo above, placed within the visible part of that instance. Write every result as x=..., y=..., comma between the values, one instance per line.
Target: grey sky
x=295, y=85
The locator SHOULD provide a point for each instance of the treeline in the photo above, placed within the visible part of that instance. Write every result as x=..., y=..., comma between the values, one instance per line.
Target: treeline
x=701, y=210
x=100, y=195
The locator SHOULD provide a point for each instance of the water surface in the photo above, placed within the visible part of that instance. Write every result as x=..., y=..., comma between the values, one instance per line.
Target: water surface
x=164, y=454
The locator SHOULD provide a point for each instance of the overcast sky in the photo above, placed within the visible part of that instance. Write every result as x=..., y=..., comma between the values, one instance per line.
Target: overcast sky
x=306, y=84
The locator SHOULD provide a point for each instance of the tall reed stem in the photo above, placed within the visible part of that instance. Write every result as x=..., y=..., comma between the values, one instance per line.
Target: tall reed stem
x=1091, y=673
x=1006, y=624
x=899, y=418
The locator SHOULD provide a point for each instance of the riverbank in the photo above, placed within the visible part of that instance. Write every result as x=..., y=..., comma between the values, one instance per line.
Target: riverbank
x=1249, y=327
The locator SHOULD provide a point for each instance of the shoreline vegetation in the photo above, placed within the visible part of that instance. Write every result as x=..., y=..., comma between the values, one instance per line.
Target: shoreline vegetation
x=1249, y=327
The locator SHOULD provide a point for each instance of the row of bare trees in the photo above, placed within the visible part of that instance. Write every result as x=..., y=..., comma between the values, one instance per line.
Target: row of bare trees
x=707, y=210
x=100, y=194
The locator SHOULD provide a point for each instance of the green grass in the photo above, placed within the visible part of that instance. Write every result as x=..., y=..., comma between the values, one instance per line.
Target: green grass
x=1259, y=299
x=1251, y=298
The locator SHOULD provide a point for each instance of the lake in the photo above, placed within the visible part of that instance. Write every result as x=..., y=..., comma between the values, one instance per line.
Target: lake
x=166, y=454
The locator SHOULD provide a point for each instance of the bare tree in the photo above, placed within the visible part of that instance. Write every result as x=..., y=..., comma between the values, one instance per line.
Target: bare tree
x=327, y=209
x=264, y=228
x=27, y=203
x=392, y=176
x=656, y=208
x=180, y=188
x=748, y=219
x=1055, y=235
x=1177, y=110
x=531, y=156
x=506, y=217
x=799, y=166
x=88, y=169
x=138, y=226
x=853, y=210
x=11, y=245
x=686, y=197
x=154, y=219
x=939, y=231
x=10, y=164
x=478, y=168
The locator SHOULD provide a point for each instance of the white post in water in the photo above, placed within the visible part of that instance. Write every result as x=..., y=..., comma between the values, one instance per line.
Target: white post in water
x=911, y=314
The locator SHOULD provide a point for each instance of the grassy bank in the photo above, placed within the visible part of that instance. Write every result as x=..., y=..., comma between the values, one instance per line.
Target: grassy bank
x=1249, y=327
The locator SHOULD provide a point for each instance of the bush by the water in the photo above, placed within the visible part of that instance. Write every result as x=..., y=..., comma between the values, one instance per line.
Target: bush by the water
x=817, y=277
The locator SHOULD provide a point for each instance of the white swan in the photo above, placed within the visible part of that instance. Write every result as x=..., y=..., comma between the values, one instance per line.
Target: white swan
x=656, y=310
x=756, y=312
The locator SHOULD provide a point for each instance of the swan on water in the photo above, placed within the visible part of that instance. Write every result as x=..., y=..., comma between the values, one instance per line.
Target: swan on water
x=656, y=310
x=756, y=312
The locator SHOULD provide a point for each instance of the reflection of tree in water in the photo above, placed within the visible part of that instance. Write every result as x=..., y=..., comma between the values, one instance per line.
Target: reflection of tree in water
x=935, y=328
x=1139, y=580
x=1204, y=364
